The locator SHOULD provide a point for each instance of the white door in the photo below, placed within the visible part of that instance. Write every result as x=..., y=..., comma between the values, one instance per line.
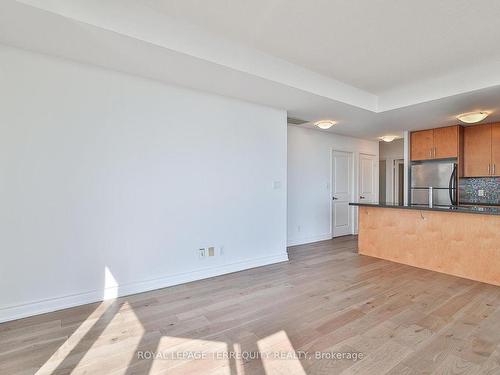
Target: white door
x=368, y=192
x=341, y=193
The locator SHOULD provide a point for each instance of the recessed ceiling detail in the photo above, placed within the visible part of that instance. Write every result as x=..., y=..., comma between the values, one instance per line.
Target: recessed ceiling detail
x=376, y=46
x=381, y=78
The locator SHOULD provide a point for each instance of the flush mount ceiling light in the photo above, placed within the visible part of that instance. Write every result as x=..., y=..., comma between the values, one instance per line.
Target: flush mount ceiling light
x=472, y=117
x=325, y=124
x=388, y=138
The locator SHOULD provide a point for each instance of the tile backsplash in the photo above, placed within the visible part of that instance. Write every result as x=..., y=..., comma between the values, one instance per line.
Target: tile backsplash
x=469, y=190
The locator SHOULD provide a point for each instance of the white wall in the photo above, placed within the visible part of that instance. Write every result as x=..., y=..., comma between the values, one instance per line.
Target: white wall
x=101, y=170
x=309, y=176
x=391, y=151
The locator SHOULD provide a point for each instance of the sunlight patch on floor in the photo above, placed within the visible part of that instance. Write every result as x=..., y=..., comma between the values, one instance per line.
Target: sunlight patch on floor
x=70, y=344
x=277, y=355
x=189, y=355
x=89, y=346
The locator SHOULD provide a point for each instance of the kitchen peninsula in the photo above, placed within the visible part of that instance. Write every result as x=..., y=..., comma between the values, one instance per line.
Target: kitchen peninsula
x=460, y=241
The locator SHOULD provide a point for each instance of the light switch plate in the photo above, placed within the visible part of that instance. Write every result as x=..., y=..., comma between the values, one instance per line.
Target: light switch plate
x=480, y=193
x=202, y=253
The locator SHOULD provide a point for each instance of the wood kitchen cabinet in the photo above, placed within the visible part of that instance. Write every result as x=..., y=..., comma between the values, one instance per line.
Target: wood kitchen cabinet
x=422, y=143
x=482, y=150
x=495, y=149
x=440, y=143
x=446, y=142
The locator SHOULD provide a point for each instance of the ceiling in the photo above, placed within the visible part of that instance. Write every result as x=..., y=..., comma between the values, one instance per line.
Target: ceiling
x=376, y=67
x=373, y=45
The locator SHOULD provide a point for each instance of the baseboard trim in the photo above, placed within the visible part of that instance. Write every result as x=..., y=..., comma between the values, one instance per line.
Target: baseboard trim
x=10, y=313
x=306, y=240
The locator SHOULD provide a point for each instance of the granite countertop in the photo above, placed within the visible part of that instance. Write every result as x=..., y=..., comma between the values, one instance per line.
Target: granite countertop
x=479, y=204
x=463, y=209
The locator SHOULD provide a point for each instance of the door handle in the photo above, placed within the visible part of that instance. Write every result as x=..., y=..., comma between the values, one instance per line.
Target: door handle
x=494, y=165
x=430, y=153
x=489, y=168
x=334, y=198
x=361, y=197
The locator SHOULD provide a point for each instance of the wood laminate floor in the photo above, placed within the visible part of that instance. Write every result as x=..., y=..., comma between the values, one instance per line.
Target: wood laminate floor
x=326, y=301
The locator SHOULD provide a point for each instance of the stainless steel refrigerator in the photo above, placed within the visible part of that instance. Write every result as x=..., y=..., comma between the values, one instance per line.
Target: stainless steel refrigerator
x=441, y=176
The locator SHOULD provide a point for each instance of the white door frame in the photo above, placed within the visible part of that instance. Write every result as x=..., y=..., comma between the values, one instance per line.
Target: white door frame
x=395, y=179
x=352, y=177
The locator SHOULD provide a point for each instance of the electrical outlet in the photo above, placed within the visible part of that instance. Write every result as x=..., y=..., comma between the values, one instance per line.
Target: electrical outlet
x=221, y=250
x=202, y=253
x=480, y=193
x=211, y=251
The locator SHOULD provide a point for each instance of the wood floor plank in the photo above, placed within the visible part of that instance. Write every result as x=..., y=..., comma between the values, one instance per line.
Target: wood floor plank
x=326, y=300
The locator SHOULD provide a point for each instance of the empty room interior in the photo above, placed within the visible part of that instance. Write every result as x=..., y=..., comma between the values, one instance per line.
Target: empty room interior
x=236, y=187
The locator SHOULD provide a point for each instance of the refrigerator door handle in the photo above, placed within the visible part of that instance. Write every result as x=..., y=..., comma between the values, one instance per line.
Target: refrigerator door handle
x=450, y=189
x=452, y=186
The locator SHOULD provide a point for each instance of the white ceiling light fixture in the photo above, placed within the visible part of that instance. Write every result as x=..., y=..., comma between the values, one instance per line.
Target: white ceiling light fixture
x=325, y=124
x=388, y=138
x=472, y=117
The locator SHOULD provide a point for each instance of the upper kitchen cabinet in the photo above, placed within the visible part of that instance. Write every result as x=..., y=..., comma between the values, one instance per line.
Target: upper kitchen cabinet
x=422, y=143
x=495, y=149
x=446, y=142
x=478, y=150
x=440, y=143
